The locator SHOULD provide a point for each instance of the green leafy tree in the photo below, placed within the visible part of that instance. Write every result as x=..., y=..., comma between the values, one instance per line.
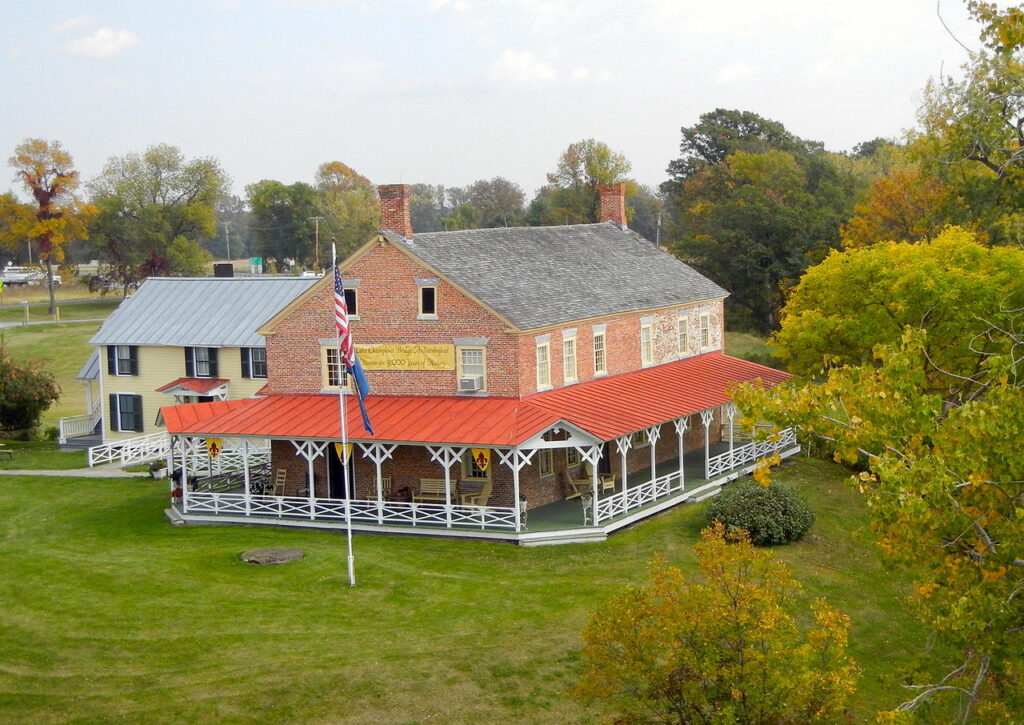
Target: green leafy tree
x=858, y=299
x=498, y=201
x=187, y=258
x=427, y=207
x=57, y=216
x=755, y=222
x=350, y=206
x=724, y=649
x=147, y=200
x=646, y=209
x=943, y=473
x=26, y=392
x=283, y=219
x=572, y=186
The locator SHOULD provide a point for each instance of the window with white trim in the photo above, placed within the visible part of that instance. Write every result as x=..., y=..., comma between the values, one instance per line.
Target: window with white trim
x=122, y=360
x=683, y=332
x=201, y=362
x=126, y=412
x=640, y=438
x=600, y=355
x=472, y=363
x=428, y=301
x=333, y=374
x=646, y=345
x=543, y=365
x=352, y=303
x=569, y=359
x=705, y=331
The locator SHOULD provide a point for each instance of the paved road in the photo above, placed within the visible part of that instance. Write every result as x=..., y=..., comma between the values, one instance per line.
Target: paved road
x=48, y=322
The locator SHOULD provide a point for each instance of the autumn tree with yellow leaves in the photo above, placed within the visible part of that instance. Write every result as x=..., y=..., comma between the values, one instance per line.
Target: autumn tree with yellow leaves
x=724, y=648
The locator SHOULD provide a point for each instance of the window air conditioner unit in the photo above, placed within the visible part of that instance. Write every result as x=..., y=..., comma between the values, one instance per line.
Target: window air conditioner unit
x=471, y=383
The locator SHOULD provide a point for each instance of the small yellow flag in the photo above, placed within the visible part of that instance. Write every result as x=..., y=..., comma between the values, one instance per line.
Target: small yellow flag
x=214, y=446
x=343, y=455
x=481, y=457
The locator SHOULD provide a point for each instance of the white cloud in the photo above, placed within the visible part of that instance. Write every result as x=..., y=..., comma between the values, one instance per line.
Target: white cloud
x=457, y=5
x=104, y=43
x=734, y=72
x=73, y=25
x=521, y=66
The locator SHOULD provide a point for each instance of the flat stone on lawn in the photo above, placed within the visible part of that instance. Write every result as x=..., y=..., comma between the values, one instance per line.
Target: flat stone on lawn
x=273, y=555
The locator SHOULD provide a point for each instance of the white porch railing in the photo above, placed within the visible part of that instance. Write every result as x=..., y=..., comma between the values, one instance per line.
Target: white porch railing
x=748, y=453
x=637, y=496
x=78, y=425
x=364, y=512
x=131, y=450
x=231, y=458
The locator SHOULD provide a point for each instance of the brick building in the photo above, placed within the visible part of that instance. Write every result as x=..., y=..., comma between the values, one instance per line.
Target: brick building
x=525, y=374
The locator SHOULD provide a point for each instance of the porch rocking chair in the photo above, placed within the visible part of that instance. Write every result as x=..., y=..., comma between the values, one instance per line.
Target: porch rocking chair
x=477, y=498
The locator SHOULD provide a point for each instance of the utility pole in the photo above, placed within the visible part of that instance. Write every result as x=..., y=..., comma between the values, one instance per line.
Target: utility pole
x=227, y=236
x=316, y=248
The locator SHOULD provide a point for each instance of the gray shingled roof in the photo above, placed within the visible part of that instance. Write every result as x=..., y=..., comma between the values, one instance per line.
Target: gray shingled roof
x=200, y=311
x=538, y=276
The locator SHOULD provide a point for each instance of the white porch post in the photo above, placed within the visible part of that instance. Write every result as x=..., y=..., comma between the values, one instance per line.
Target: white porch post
x=653, y=434
x=730, y=412
x=624, y=444
x=245, y=476
x=310, y=450
x=706, y=417
x=184, y=474
x=446, y=456
x=378, y=453
x=682, y=425
x=515, y=459
x=592, y=456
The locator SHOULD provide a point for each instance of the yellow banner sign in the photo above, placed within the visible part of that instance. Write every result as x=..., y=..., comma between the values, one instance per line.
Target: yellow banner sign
x=397, y=356
x=343, y=454
x=481, y=457
x=214, y=446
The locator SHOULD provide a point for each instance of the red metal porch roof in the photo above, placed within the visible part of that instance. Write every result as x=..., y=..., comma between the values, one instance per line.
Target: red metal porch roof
x=606, y=408
x=200, y=386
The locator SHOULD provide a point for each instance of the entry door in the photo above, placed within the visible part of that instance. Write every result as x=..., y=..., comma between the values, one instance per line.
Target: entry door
x=334, y=473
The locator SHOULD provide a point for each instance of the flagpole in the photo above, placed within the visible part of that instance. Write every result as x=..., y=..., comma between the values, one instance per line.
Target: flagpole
x=344, y=442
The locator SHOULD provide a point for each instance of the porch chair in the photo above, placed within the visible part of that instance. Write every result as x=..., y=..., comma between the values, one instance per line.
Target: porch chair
x=583, y=482
x=280, y=478
x=385, y=489
x=478, y=497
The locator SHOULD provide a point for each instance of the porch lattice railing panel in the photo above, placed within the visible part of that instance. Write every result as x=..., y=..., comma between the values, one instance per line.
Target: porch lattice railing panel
x=363, y=511
x=637, y=496
x=131, y=450
x=749, y=452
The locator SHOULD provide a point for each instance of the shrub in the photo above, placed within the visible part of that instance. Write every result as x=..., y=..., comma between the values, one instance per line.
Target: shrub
x=770, y=514
x=25, y=393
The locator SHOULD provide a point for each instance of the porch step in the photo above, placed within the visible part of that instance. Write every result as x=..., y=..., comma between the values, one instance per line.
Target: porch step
x=81, y=442
x=174, y=516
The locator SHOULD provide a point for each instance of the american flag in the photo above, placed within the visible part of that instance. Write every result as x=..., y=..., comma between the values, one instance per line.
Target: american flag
x=348, y=351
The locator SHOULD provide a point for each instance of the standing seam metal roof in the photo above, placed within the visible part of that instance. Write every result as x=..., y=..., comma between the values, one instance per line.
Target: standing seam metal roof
x=200, y=311
x=539, y=276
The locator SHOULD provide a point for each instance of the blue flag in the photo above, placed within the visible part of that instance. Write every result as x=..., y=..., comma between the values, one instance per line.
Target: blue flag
x=362, y=388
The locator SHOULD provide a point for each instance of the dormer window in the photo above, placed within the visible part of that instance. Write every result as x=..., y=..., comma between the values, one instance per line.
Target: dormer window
x=352, y=302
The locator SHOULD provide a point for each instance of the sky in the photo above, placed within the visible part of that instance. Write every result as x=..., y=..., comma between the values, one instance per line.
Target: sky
x=451, y=91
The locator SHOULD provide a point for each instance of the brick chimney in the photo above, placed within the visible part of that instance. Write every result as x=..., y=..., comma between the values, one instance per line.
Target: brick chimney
x=613, y=203
x=394, y=209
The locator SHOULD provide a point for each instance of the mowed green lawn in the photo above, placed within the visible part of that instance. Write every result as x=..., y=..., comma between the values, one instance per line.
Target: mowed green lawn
x=62, y=350
x=110, y=613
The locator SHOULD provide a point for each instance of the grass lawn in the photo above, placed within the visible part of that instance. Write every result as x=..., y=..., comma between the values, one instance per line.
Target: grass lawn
x=110, y=613
x=94, y=310
x=41, y=455
x=62, y=349
x=747, y=346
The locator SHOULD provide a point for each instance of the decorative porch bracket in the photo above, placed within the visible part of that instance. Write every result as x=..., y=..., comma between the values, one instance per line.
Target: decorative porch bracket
x=707, y=416
x=515, y=459
x=311, y=450
x=447, y=456
x=378, y=453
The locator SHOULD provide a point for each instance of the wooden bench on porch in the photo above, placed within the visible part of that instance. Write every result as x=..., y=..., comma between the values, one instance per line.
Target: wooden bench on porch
x=432, y=489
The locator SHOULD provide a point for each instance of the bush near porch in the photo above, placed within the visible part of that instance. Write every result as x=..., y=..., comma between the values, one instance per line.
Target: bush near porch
x=113, y=614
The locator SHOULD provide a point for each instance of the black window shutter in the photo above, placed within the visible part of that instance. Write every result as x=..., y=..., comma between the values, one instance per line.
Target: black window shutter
x=213, y=362
x=111, y=360
x=133, y=354
x=136, y=412
x=190, y=364
x=114, y=413
x=246, y=365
